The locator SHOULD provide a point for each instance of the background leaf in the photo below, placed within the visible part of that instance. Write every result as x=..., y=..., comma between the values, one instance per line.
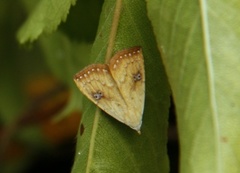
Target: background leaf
x=44, y=19
x=106, y=145
x=199, y=42
x=65, y=58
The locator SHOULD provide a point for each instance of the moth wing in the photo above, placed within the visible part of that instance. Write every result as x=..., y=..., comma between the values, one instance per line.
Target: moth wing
x=97, y=84
x=127, y=69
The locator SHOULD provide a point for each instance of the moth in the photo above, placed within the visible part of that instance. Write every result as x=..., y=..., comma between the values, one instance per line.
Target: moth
x=118, y=88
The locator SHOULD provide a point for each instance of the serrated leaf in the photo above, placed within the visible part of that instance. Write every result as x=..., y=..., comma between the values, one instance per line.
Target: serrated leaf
x=199, y=41
x=104, y=144
x=45, y=18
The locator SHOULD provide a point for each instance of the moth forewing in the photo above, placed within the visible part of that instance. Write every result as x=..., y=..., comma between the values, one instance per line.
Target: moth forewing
x=117, y=88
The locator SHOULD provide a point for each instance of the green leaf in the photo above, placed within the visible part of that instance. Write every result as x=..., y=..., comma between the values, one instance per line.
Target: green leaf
x=65, y=58
x=104, y=144
x=44, y=19
x=11, y=100
x=199, y=41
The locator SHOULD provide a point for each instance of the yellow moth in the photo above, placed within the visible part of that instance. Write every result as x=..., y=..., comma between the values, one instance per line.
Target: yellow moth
x=118, y=88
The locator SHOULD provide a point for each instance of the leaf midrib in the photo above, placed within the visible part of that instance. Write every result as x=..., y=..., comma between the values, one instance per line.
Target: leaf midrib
x=211, y=79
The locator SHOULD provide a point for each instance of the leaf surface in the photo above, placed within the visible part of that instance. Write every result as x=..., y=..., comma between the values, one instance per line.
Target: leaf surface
x=199, y=42
x=104, y=144
x=45, y=18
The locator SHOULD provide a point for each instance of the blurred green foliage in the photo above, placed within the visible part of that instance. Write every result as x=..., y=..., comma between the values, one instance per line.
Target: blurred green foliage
x=31, y=75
